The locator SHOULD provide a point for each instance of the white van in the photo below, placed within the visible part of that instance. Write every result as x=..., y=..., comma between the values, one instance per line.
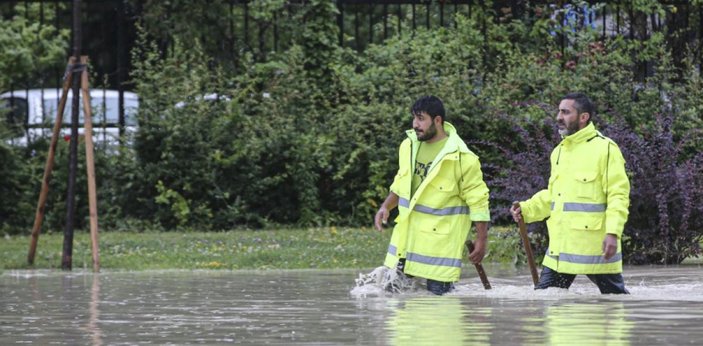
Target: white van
x=29, y=114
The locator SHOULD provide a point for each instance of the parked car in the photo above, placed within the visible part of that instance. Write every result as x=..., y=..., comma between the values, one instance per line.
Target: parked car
x=30, y=114
x=212, y=97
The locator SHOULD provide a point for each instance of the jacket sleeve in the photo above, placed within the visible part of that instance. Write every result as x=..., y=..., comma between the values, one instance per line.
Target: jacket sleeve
x=538, y=207
x=403, y=153
x=617, y=191
x=474, y=190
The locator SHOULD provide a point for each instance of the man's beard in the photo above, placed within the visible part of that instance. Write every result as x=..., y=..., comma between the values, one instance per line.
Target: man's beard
x=569, y=130
x=427, y=135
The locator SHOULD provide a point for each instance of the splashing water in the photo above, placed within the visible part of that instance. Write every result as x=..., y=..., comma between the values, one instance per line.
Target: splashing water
x=383, y=280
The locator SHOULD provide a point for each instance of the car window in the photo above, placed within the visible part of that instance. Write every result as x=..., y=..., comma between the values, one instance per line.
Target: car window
x=105, y=111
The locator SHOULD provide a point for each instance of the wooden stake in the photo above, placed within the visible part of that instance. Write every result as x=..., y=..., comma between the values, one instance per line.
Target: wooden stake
x=90, y=165
x=49, y=166
x=89, y=158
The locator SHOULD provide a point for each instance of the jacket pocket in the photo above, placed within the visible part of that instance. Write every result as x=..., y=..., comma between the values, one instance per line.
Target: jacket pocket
x=586, y=222
x=442, y=184
x=434, y=227
x=585, y=184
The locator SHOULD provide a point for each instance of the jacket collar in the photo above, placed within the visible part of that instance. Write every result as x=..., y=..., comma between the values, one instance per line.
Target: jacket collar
x=581, y=135
x=454, y=142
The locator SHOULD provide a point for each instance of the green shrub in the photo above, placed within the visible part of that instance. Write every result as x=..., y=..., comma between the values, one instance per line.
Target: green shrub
x=16, y=210
x=310, y=135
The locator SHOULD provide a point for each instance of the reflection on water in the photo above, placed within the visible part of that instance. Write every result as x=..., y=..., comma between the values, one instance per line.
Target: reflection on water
x=325, y=308
x=435, y=320
x=603, y=323
x=92, y=327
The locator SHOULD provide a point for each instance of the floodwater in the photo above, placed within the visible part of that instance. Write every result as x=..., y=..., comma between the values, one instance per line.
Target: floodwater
x=327, y=308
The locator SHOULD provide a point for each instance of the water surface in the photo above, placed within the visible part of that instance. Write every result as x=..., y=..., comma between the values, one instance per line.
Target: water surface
x=325, y=308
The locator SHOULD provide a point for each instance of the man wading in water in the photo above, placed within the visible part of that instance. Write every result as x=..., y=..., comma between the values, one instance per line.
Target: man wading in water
x=586, y=202
x=439, y=190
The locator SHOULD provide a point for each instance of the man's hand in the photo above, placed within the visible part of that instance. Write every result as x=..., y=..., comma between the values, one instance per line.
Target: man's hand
x=479, y=251
x=383, y=212
x=610, y=246
x=516, y=211
x=480, y=243
x=381, y=218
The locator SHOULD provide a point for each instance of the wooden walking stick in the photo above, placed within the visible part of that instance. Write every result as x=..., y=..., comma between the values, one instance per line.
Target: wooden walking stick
x=479, y=268
x=528, y=248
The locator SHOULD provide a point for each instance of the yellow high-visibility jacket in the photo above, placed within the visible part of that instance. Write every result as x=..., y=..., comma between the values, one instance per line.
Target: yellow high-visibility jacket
x=432, y=225
x=588, y=196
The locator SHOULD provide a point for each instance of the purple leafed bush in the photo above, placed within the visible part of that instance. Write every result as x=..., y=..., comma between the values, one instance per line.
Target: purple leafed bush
x=666, y=198
x=516, y=167
x=665, y=224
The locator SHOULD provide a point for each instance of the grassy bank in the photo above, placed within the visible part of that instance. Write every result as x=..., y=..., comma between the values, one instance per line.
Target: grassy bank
x=328, y=247
x=243, y=249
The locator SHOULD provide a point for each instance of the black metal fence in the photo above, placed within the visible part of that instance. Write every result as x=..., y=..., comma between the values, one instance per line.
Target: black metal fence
x=110, y=26
x=111, y=33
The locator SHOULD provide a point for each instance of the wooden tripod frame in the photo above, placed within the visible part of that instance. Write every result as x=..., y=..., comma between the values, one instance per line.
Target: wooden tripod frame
x=89, y=159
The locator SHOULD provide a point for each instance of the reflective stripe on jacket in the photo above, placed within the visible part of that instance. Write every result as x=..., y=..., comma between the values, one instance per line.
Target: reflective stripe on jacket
x=588, y=196
x=433, y=224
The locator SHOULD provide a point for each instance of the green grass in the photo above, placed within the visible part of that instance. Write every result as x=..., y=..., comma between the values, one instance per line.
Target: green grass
x=694, y=260
x=325, y=248
x=328, y=247
x=245, y=249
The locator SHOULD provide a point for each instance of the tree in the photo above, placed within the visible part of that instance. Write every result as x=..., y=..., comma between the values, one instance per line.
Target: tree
x=29, y=46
